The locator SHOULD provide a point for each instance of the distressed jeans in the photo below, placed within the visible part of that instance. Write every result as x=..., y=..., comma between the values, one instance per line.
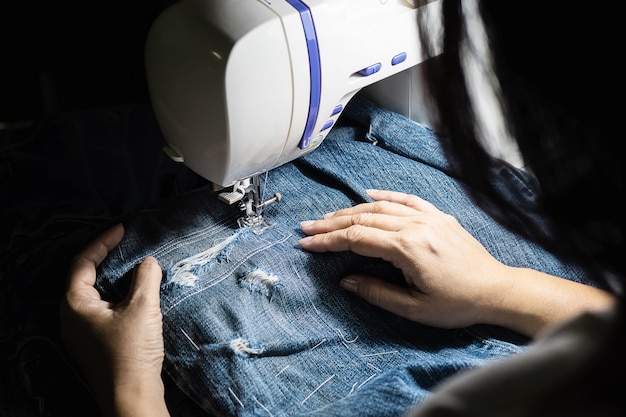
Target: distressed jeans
x=255, y=326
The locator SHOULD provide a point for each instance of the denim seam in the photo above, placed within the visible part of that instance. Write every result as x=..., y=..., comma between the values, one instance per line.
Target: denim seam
x=190, y=238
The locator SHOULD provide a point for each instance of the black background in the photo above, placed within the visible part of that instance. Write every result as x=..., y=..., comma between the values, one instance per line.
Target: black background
x=65, y=55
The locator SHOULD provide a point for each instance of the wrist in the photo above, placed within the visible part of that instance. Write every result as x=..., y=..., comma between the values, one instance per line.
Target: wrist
x=535, y=300
x=136, y=398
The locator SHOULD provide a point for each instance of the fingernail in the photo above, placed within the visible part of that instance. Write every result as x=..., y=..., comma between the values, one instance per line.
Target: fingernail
x=327, y=215
x=306, y=223
x=349, y=284
x=305, y=240
x=150, y=260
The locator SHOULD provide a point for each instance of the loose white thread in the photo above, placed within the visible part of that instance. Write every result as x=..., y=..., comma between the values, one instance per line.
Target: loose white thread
x=373, y=367
x=317, y=389
x=236, y=398
x=364, y=382
x=353, y=386
x=263, y=407
x=181, y=272
x=281, y=371
x=343, y=337
x=189, y=338
x=318, y=345
x=391, y=352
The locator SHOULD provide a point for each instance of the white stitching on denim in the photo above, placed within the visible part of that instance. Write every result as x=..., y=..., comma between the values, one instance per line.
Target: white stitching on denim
x=225, y=274
x=192, y=237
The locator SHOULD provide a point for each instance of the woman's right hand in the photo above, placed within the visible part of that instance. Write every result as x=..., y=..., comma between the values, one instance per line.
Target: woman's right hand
x=118, y=346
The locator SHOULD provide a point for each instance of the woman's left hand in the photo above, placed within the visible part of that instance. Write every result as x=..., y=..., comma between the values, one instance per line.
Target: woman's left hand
x=452, y=281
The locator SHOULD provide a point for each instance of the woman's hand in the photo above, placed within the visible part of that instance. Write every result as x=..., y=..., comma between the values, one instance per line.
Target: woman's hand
x=118, y=346
x=452, y=281
x=449, y=274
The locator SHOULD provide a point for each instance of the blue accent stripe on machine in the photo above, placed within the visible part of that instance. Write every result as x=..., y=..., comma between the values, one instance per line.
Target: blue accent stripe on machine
x=315, y=69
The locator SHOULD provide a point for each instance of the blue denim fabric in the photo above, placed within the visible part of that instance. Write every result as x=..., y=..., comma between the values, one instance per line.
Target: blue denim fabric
x=255, y=326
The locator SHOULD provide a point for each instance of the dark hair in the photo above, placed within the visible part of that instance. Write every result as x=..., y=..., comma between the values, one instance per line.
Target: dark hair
x=557, y=69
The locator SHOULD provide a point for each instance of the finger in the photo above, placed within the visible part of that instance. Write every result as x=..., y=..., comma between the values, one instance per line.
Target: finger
x=359, y=239
x=83, y=268
x=386, y=222
x=146, y=283
x=408, y=200
x=393, y=298
x=380, y=207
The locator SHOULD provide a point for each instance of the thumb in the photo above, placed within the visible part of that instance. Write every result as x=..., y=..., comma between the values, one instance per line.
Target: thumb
x=146, y=283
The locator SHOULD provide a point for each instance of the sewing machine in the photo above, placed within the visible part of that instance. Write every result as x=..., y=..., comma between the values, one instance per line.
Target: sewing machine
x=242, y=86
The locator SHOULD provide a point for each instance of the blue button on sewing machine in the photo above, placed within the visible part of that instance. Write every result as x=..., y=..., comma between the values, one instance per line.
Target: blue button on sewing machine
x=398, y=59
x=337, y=110
x=327, y=125
x=372, y=69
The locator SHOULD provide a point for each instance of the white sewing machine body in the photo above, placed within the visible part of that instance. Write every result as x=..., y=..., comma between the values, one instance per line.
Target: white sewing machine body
x=241, y=87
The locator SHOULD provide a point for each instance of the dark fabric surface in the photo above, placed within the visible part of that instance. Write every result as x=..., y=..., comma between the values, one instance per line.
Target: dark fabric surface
x=63, y=181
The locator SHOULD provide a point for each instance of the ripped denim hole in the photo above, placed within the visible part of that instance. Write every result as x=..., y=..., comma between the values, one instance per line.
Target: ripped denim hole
x=242, y=347
x=259, y=281
x=183, y=272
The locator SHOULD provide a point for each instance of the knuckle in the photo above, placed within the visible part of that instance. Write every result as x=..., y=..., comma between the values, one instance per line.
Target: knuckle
x=380, y=206
x=412, y=200
x=372, y=294
x=412, y=236
x=355, y=232
x=450, y=219
x=360, y=218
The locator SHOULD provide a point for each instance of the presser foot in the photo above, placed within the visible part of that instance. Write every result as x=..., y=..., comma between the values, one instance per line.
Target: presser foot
x=246, y=193
x=254, y=218
x=257, y=223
